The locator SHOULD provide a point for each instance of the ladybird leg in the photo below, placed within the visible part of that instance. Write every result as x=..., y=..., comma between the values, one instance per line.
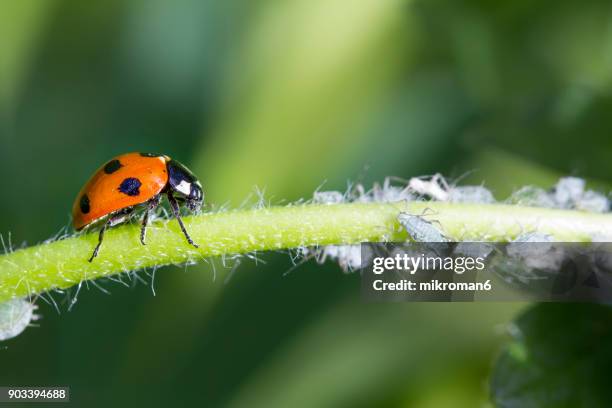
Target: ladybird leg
x=152, y=205
x=175, y=209
x=112, y=220
x=143, y=228
x=100, y=238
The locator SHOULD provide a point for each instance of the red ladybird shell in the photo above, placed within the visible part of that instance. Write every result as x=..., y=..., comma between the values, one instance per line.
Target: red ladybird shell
x=127, y=180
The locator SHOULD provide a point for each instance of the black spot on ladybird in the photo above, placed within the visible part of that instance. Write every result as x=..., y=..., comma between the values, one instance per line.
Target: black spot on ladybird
x=130, y=186
x=112, y=166
x=151, y=155
x=84, y=204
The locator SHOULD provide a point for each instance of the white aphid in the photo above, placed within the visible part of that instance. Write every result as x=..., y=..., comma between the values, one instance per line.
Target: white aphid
x=358, y=194
x=15, y=316
x=526, y=254
x=533, y=237
x=388, y=193
x=470, y=194
x=328, y=197
x=419, y=229
x=347, y=256
x=532, y=196
x=438, y=189
x=434, y=187
x=385, y=193
x=568, y=191
x=474, y=249
x=602, y=236
x=537, y=251
x=593, y=201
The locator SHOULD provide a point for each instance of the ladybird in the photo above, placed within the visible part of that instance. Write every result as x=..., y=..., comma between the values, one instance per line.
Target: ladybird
x=134, y=181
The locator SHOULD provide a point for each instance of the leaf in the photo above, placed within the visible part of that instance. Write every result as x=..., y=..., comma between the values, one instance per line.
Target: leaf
x=560, y=357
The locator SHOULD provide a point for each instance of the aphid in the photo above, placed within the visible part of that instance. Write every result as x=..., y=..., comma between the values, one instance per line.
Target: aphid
x=347, y=256
x=419, y=229
x=385, y=193
x=602, y=236
x=132, y=181
x=474, y=249
x=568, y=193
x=358, y=194
x=470, y=194
x=388, y=193
x=568, y=190
x=533, y=197
x=532, y=237
x=15, y=316
x=328, y=197
x=537, y=251
x=593, y=201
x=436, y=187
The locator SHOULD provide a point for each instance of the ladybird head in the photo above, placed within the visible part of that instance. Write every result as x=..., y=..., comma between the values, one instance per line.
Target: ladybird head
x=183, y=183
x=195, y=198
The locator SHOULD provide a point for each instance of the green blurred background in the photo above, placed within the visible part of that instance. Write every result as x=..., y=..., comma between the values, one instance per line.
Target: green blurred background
x=284, y=95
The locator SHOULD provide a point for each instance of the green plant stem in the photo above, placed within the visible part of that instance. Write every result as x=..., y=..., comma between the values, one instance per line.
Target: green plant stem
x=63, y=263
